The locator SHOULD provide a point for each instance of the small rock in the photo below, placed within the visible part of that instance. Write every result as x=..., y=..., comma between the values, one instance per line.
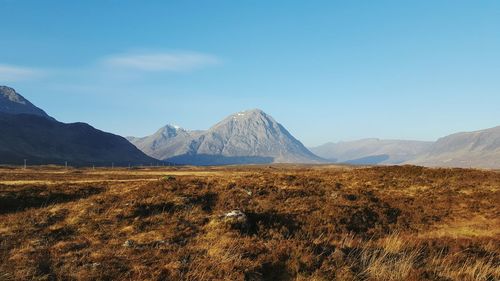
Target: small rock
x=248, y=192
x=128, y=244
x=92, y=265
x=334, y=195
x=236, y=219
x=236, y=216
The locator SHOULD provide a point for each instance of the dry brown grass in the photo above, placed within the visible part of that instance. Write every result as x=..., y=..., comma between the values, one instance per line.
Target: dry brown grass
x=303, y=223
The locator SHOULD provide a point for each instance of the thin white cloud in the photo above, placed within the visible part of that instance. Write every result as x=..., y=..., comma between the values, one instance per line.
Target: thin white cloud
x=157, y=62
x=12, y=73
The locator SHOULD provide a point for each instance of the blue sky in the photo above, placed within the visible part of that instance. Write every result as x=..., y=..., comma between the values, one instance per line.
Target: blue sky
x=327, y=70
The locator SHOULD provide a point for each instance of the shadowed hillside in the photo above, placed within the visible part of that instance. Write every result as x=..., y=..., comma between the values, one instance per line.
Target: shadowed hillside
x=45, y=141
x=27, y=132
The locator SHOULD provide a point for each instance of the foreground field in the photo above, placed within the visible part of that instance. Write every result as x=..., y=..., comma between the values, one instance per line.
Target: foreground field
x=250, y=223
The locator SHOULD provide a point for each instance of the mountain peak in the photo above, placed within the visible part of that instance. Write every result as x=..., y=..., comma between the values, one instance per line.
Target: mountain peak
x=248, y=120
x=249, y=113
x=169, y=131
x=255, y=111
x=173, y=127
x=11, y=94
x=12, y=102
x=249, y=136
x=248, y=117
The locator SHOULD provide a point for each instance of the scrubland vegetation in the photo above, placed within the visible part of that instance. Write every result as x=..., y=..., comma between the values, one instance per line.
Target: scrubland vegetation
x=250, y=223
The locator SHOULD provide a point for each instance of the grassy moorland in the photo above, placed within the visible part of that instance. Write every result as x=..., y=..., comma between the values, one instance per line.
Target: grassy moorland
x=250, y=223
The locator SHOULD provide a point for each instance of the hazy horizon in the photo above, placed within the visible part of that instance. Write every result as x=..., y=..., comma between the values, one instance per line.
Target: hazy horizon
x=328, y=71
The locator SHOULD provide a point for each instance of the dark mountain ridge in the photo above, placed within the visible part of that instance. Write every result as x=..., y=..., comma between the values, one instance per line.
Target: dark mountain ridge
x=27, y=132
x=13, y=103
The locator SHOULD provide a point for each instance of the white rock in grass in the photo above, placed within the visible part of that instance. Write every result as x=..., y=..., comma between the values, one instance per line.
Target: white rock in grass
x=236, y=216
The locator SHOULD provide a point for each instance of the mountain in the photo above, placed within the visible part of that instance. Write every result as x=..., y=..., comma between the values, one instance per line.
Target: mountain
x=372, y=151
x=246, y=137
x=27, y=132
x=168, y=141
x=479, y=149
x=13, y=103
x=468, y=149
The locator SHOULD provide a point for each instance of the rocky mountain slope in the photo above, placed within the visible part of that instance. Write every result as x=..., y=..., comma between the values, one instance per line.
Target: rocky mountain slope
x=246, y=137
x=168, y=141
x=13, y=103
x=27, y=132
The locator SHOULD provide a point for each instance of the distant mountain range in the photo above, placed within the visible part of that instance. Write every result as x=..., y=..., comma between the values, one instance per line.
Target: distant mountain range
x=245, y=137
x=254, y=137
x=372, y=151
x=27, y=132
x=471, y=149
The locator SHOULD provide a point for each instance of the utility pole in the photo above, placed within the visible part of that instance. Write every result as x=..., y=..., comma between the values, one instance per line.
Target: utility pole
x=66, y=165
x=25, y=164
